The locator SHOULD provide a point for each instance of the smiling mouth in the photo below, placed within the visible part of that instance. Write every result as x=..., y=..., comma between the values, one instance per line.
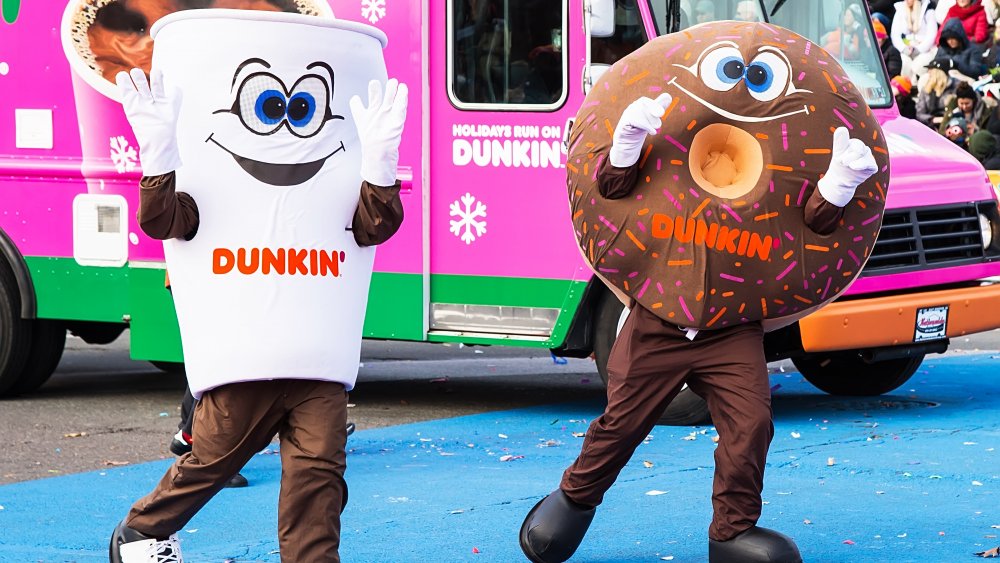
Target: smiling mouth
x=735, y=116
x=278, y=174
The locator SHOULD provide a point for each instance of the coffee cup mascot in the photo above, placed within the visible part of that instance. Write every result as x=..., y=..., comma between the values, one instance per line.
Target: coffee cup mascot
x=269, y=144
x=726, y=180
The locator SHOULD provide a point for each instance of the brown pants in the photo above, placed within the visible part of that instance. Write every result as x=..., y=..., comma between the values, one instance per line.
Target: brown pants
x=649, y=363
x=234, y=422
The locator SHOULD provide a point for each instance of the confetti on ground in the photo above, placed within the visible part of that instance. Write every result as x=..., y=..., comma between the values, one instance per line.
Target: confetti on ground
x=655, y=493
x=550, y=444
x=75, y=435
x=475, y=550
x=115, y=463
x=456, y=512
x=831, y=462
x=796, y=435
x=807, y=522
x=510, y=457
x=667, y=558
x=848, y=542
x=504, y=436
x=977, y=484
x=579, y=434
x=647, y=464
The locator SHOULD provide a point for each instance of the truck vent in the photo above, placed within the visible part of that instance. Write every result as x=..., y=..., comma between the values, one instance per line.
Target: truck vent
x=914, y=239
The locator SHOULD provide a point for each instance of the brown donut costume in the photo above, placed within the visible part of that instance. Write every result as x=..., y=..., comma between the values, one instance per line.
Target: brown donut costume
x=716, y=227
x=713, y=234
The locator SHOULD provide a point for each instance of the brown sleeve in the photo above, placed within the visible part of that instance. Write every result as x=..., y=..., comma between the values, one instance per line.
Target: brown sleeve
x=614, y=182
x=165, y=213
x=379, y=214
x=822, y=216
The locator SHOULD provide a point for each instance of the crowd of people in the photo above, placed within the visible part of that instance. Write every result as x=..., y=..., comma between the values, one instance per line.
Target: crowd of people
x=941, y=55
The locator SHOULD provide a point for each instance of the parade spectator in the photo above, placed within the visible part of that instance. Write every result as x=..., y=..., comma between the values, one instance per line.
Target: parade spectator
x=903, y=91
x=992, y=8
x=969, y=106
x=891, y=56
x=973, y=18
x=936, y=90
x=983, y=145
x=844, y=42
x=913, y=33
x=956, y=54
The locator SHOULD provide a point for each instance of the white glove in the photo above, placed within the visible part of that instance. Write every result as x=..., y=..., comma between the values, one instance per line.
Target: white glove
x=642, y=117
x=153, y=117
x=380, y=129
x=851, y=164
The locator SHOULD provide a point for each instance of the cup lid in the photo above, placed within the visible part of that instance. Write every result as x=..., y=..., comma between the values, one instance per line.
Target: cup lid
x=263, y=16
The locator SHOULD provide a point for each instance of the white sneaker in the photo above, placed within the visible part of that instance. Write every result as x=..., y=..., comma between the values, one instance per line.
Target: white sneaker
x=152, y=551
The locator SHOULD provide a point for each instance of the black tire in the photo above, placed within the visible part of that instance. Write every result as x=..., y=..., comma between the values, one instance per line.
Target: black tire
x=48, y=339
x=848, y=374
x=687, y=408
x=15, y=332
x=173, y=368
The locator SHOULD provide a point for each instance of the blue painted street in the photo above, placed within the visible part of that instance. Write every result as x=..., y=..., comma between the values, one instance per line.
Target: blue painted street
x=912, y=476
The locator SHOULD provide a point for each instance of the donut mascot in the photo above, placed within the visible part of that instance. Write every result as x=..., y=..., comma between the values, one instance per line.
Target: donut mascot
x=725, y=180
x=270, y=182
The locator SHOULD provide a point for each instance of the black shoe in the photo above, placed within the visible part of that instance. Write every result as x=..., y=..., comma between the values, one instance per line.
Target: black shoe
x=554, y=528
x=179, y=446
x=237, y=481
x=755, y=545
x=350, y=428
x=150, y=550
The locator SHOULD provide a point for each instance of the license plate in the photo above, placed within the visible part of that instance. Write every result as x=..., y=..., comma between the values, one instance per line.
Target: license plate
x=932, y=323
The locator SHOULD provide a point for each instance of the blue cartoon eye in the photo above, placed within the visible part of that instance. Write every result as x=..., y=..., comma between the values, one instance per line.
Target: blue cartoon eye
x=301, y=108
x=722, y=68
x=308, y=106
x=261, y=103
x=270, y=107
x=767, y=76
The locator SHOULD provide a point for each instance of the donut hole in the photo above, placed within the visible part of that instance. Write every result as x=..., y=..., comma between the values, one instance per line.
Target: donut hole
x=725, y=161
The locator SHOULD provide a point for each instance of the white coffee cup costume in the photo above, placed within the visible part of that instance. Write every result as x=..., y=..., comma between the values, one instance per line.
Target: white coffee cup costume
x=273, y=285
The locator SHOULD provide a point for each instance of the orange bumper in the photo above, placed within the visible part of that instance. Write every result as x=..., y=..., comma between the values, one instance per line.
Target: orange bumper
x=891, y=321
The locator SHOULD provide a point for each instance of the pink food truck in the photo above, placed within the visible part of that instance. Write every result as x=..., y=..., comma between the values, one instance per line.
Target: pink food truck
x=486, y=254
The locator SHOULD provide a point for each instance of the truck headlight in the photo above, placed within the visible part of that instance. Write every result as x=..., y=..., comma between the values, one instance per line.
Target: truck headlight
x=986, y=228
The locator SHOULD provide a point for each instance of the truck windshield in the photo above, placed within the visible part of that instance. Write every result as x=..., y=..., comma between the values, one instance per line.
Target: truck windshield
x=839, y=26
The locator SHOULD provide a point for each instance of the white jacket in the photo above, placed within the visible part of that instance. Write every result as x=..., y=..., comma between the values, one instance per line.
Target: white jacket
x=923, y=39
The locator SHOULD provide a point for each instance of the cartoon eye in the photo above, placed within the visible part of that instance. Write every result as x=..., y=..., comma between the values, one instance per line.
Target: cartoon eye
x=308, y=107
x=261, y=104
x=270, y=107
x=767, y=76
x=722, y=69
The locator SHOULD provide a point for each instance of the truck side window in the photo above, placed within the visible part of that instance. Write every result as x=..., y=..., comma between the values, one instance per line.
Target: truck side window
x=507, y=53
x=629, y=35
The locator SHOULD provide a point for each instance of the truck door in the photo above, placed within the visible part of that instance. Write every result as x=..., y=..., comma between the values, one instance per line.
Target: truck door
x=397, y=303
x=505, y=76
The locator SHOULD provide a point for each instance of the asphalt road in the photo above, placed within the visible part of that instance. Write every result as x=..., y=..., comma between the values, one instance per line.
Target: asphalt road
x=102, y=409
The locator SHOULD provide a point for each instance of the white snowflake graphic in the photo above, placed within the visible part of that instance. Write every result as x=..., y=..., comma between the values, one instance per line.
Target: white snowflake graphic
x=122, y=155
x=373, y=10
x=468, y=216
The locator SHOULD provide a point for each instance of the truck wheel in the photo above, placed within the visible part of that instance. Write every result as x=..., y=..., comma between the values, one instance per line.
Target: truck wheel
x=687, y=408
x=48, y=339
x=846, y=374
x=15, y=332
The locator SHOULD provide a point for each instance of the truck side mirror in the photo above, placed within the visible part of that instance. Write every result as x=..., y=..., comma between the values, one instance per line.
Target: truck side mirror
x=602, y=18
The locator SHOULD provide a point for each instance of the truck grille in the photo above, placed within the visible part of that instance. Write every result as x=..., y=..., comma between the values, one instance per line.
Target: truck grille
x=930, y=237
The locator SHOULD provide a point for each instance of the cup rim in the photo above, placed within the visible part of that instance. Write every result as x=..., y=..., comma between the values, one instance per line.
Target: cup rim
x=262, y=16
